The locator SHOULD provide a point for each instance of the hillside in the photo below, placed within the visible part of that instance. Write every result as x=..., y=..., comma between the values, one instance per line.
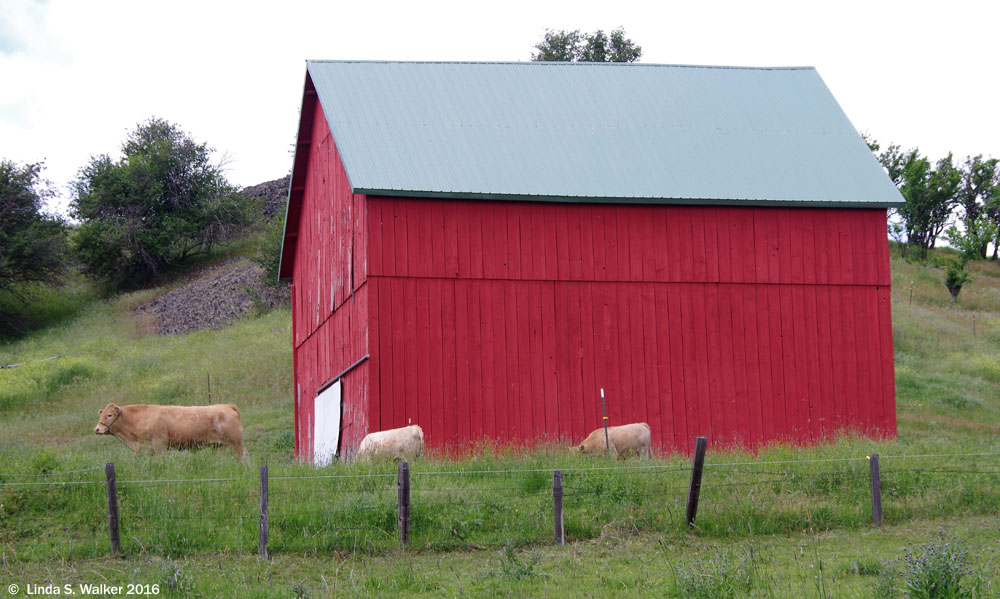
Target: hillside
x=801, y=507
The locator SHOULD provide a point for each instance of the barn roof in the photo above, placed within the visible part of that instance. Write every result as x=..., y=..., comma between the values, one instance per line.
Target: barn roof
x=596, y=132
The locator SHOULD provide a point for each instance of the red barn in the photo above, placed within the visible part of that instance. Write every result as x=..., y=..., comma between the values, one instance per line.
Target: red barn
x=479, y=248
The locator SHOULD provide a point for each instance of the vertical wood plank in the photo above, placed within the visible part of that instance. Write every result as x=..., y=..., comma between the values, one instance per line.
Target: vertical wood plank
x=713, y=357
x=512, y=382
x=491, y=417
x=549, y=343
x=793, y=428
x=514, y=256
x=764, y=354
x=667, y=435
x=711, y=220
x=575, y=350
x=678, y=366
x=527, y=395
x=536, y=364
x=449, y=367
x=888, y=376
x=412, y=349
x=464, y=355
x=653, y=397
x=438, y=368
x=800, y=363
x=727, y=381
x=588, y=362
x=562, y=242
x=586, y=216
x=477, y=374
x=599, y=216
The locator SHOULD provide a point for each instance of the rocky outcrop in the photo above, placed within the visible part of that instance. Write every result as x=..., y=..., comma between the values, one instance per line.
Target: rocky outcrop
x=214, y=298
x=274, y=193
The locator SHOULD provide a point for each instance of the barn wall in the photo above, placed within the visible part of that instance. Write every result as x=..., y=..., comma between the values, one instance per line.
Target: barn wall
x=330, y=298
x=503, y=320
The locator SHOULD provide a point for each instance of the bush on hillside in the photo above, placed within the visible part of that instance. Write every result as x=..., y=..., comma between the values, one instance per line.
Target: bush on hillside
x=161, y=203
x=32, y=243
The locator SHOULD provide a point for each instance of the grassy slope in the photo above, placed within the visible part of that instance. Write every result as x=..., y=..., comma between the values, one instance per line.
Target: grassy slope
x=947, y=383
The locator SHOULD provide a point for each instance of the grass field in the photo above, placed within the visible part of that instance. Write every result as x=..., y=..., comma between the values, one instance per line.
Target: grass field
x=787, y=522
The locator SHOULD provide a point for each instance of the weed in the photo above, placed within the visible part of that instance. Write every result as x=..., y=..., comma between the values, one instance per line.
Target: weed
x=513, y=567
x=722, y=575
x=173, y=579
x=940, y=570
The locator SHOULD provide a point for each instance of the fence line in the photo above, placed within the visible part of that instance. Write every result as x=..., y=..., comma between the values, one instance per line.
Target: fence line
x=475, y=472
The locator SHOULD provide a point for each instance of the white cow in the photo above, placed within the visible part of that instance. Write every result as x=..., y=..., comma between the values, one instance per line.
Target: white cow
x=397, y=443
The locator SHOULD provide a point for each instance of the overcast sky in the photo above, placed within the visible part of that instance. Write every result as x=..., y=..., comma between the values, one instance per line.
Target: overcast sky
x=77, y=75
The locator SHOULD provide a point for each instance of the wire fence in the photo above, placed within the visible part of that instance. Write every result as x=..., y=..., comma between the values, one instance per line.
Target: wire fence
x=354, y=512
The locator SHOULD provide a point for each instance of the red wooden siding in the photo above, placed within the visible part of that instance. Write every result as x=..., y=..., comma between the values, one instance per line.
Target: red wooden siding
x=746, y=324
x=330, y=301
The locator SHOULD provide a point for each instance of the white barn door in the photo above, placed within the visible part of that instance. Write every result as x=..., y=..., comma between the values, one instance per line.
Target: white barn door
x=326, y=425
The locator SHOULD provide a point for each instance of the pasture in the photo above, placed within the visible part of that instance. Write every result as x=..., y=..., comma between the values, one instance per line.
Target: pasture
x=798, y=519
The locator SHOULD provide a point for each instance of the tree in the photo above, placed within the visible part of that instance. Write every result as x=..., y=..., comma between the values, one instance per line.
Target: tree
x=978, y=188
x=972, y=237
x=573, y=46
x=162, y=202
x=32, y=243
x=929, y=193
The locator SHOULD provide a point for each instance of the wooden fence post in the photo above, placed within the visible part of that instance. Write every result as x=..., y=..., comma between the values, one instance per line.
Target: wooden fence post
x=113, y=532
x=403, y=498
x=557, y=507
x=695, y=490
x=876, y=490
x=264, y=520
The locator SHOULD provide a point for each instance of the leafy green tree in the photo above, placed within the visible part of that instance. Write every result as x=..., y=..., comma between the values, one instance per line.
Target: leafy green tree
x=159, y=204
x=573, y=46
x=972, y=237
x=32, y=243
x=929, y=191
x=977, y=194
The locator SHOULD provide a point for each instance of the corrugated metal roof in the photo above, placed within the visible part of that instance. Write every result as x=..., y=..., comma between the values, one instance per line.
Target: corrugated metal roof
x=596, y=132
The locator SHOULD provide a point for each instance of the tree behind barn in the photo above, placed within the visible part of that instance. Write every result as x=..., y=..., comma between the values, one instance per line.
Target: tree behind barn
x=32, y=243
x=159, y=204
x=573, y=46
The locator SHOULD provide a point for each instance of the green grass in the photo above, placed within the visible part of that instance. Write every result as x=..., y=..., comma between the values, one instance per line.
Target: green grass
x=477, y=533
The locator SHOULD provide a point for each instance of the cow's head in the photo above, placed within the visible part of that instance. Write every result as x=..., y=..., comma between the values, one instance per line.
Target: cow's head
x=107, y=417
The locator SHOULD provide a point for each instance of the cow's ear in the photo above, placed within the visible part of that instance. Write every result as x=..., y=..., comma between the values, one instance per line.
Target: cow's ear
x=98, y=413
x=118, y=410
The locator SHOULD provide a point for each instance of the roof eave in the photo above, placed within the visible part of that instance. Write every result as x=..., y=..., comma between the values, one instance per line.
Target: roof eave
x=296, y=182
x=786, y=202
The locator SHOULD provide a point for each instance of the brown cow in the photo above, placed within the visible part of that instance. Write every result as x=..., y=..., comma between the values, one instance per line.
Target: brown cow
x=162, y=427
x=622, y=440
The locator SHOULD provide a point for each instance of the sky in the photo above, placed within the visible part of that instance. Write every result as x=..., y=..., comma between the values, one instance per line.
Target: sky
x=77, y=76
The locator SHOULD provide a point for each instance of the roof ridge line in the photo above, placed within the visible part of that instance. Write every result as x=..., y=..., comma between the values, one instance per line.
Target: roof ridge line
x=564, y=64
